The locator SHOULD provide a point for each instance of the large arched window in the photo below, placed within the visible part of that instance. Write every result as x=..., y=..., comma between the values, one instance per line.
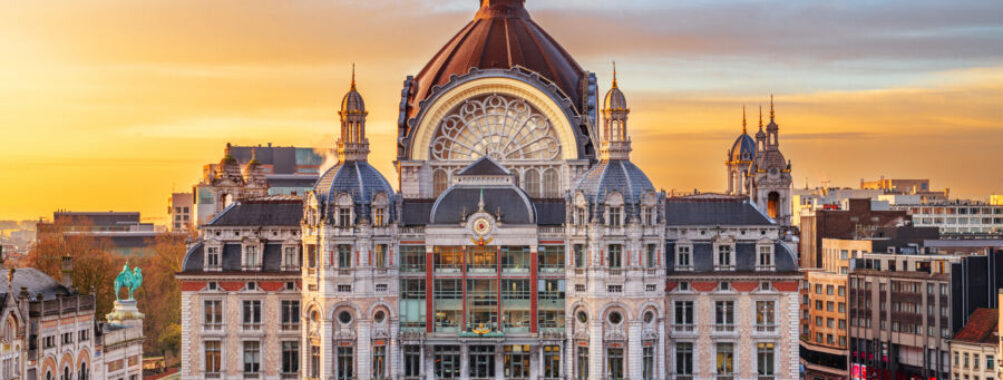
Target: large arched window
x=551, y=185
x=533, y=183
x=440, y=181
x=773, y=204
x=505, y=128
x=82, y=375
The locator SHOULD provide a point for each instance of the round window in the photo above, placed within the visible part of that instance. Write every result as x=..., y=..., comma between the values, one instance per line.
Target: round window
x=582, y=317
x=378, y=317
x=649, y=316
x=345, y=317
x=615, y=318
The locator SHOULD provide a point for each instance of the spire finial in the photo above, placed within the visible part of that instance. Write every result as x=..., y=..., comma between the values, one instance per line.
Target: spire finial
x=614, y=74
x=353, y=76
x=743, y=120
x=760, y=116
x=771, y=108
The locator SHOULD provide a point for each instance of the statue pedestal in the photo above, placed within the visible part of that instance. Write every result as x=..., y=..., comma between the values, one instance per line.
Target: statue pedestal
x=125, y=313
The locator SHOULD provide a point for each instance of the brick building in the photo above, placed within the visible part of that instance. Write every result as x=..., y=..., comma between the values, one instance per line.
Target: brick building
x=855, y=220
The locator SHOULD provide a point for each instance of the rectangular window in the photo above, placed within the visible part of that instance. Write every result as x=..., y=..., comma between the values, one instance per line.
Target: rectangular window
x=252, y=356
x=725, y=359
x=579, y=256
x=312, y=257
x=412, y=304
x=344, y=216
x=412, y=258
x=765, y=320
x=764, y=359
x=482, y=259
x=614, y=256
x=290, y=315
x=684, y=359
x=379, y=362
x=684, y=256
x=515, y=258
x=251, y=257
x=649, y=257
x=648, y=363
x=724, y=315
x=683, y=316
x=380, y=256
x=213, y=315
x=252, y=315
x=290, y=257
x=551, y=258
x=765, y=261
x=212, y=257
x=314, y=361
x=346, y=363
x=344, y=256
x=412, y=361
x=582, y=363
x=614, y=363
x=724, y=257
x=290, y=357
x=213, y=359
x=552, y=362
x=482, y=361
x=447, y=362
x=614, y=216
x=379, y=216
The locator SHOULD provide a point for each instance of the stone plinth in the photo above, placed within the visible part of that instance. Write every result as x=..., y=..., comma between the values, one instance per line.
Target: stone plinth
x=125, y=313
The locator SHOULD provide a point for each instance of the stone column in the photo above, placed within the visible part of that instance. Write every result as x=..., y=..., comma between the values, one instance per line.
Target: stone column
x=660, y=352
x=464, y=363
x=535, y=362
x=363, y=350
x=634, y=351
x=394, y=351
x=596, y=349
x=428, y=361
x=327, y=349
x=499, y=362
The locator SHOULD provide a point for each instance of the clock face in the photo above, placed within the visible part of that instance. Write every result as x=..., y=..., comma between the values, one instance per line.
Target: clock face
x=482, y=226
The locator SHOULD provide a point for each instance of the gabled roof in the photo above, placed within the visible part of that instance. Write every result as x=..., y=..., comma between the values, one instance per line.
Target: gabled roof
x=484, y=166
x=981, y=327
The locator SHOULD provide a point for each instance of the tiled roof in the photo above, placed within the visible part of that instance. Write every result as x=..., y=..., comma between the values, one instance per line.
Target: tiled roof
x=981, y=327
x=724, y=212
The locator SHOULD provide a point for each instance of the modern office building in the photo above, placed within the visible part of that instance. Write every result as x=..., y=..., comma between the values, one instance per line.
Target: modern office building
x=522, y=244
x=124, y=232
x=180, y=212
x=853, y=219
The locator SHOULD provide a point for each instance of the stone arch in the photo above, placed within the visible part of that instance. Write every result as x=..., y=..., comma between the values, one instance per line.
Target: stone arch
x=380, y=304
x=336, y=308
x=84, y=366
x=49, y=368
x=65, y=363
x=607, y=308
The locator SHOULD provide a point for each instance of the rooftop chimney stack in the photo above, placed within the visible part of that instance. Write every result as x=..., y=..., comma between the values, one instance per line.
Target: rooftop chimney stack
x=66, y=279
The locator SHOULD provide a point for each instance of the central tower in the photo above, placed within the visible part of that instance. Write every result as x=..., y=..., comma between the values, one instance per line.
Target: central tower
x=502, y=88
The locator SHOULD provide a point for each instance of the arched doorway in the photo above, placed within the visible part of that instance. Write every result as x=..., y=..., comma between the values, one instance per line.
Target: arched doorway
x=773, y=204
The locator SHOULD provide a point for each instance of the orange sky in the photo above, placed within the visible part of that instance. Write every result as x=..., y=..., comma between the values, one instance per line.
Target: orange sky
x=113, y=104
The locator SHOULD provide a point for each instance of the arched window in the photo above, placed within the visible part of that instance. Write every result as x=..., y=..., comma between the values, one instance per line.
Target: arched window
x=48, y=375
x=440, y=181
x=82, y=375
x=66, y=374
x=551, y=183
x=533, y=183
x=773, y=204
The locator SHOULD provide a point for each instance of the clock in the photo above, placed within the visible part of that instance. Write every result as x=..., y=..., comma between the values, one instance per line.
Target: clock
x=481, y=226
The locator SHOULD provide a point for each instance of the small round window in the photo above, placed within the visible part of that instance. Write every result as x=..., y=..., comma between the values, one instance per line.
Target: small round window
x=582, y=317
x=649, y=316
x=379, y=316
x=345, y=317
x=615, y=318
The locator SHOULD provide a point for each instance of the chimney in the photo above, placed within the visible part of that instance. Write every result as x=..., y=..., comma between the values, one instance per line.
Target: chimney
x=66, y=279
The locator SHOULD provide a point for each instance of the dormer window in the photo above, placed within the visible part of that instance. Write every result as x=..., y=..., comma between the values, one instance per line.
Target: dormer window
x=252, y=257
x=212, y=257
x=615, y=217
x=290, y=257
x=724, y=256
x=684, y=257
x=344, y=216
x=379, y=216
x=649, y=216
x=580, y=216
x=764, y=257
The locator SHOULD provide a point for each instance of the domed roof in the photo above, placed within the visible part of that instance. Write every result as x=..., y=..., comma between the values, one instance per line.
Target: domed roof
x=621, y=176
x=501, y=36
x=352, y=102
x=357, y=178
x=615, y=99
x=744, y=149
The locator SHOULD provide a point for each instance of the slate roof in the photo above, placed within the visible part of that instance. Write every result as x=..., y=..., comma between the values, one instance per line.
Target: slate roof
x=285, y=212
x=357, y=178
x=615, y=175
x=230, y=260
x=484, y=166
x=283, y=159
x=98, y=219
x=981, y=327
x=36, y=283
x=416, y=212
x=744, y=149
x=291, y=181
x=718, y=212
x=514, y=204
x=550, y=212
x=745, y=257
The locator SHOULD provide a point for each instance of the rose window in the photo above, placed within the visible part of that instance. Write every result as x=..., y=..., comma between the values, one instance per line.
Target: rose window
x=502, y=127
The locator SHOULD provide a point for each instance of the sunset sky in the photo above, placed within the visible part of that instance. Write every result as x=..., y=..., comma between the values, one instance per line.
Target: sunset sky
x=112, y=104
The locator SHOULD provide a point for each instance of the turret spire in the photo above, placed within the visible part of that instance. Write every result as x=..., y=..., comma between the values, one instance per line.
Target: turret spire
x=771, y=108
x=760, y=116
x=744, y=131
x=614, y=75
x=353, y=76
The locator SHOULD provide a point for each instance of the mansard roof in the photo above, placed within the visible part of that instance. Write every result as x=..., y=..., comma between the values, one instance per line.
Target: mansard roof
x=745, y=257
x=35, y=282
x=268, y=211
x=455, y=203
x=714, y=212
x=230, y=258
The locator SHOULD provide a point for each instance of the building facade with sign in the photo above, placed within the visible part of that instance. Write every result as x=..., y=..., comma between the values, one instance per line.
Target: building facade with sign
x=521, y=243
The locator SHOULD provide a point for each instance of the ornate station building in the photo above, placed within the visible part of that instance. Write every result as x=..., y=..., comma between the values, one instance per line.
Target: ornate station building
x=522, y=243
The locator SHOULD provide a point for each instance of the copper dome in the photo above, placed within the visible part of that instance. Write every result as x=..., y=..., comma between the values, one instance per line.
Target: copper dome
x=501, y=35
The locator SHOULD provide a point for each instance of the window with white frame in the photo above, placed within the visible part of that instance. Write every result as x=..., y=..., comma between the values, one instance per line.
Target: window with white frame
x=683, y=316
x=252, y=315
x=213, y=360
x=724, y=315
x=764, y=259
x=212, y=257
x=290, y=256
x=765, y=316
x=765, y=360
x=614, y=216
x=252, y=356
x=252, y=256
x=380, y=256
x=651, y=250
x=580, y=216
x=213, y=311
x=379, y=216
x=684, y=358
x=684, y=257
x=344, y=216
x=725, y=359
x=615, y=256
x=724, y=257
